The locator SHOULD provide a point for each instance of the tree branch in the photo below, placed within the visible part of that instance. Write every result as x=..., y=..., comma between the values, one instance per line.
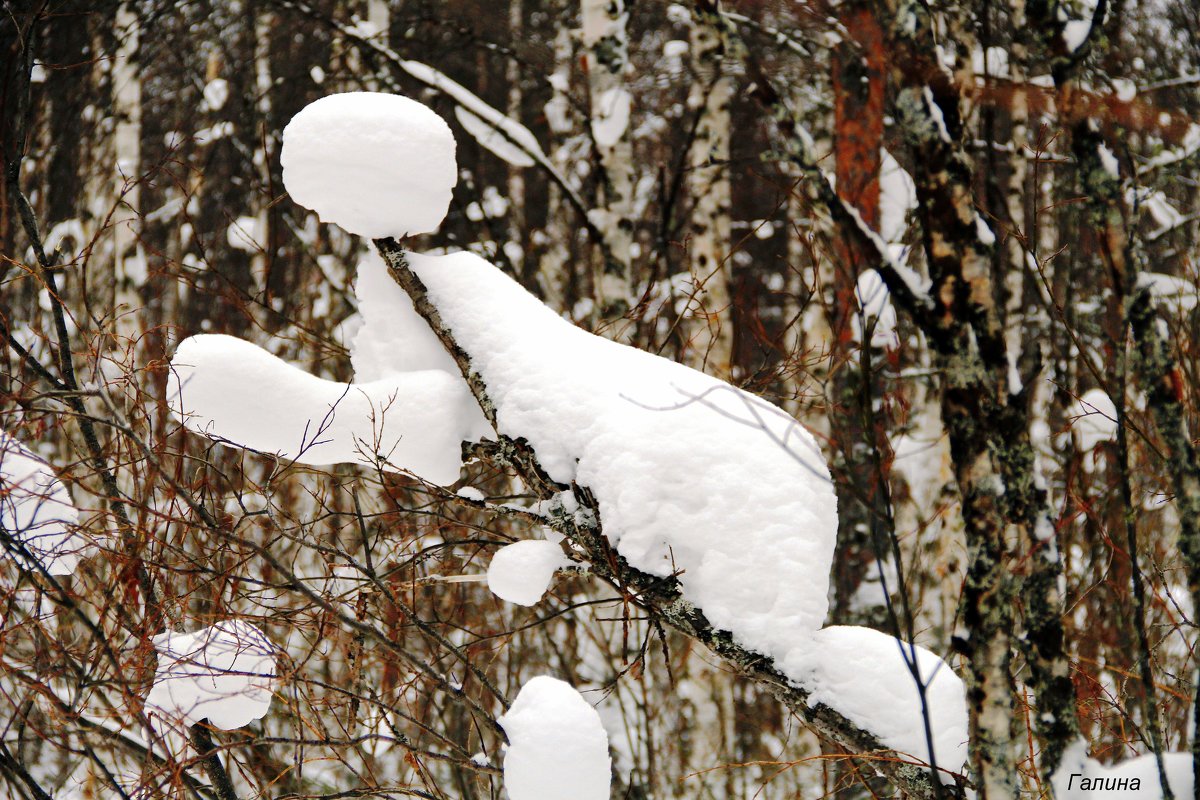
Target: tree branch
x=662, y=598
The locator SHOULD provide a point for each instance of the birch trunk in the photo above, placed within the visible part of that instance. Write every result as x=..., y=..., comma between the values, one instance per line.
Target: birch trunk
x=565, y=137
x=710, y=337
x=129, y=263
x=516, y=175
x=606, y=59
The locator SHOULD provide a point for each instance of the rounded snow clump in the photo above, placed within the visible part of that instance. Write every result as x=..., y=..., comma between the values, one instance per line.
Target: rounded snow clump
x=375, y=164
x=557, y=746
x=521, y=572
x=224, y=673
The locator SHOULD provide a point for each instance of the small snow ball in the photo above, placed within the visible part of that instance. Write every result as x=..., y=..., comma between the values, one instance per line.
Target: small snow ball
x=521, y=572
x=557, y=746
x=375, y=164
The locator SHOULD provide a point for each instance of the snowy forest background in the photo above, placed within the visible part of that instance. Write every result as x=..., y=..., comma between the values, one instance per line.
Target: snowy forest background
x=1012, y=452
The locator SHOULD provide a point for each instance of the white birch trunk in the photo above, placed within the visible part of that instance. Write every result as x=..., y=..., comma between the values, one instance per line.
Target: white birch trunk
x=710, y=230
x=260, y=260
x=516, y=175
x=129, y=262
x=605, y=40
x=564, y=134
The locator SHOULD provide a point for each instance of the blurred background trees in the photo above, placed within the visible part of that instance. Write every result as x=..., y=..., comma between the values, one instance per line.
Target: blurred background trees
x=661, y=205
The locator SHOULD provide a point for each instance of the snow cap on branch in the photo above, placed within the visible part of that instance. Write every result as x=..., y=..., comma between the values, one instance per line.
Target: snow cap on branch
x=230, y=389
x=36, y=511
x=224, y=673
x=871, y=679
x=558, y=749
x=375, y=164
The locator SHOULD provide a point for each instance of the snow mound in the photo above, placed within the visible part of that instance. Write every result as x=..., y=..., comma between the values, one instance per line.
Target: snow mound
x=521, y=572
x=864, y=675
x=375, y=164
x=1083, y=778
x=229, y=389
x=693, y=476
x=37, y=510
x=224, y=674
x=558, y=749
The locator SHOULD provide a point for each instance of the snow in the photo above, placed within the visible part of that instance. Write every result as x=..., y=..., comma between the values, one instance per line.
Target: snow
x=245, y=234
x=1075, y=31
x=1077, y=767
x=935, y=113
x=1108, y=161
x=558, y=749
x=393, y=339
x=983, y=232
x=224, y=673
x=470, y=493
x=897, y=197
x=216, y=92
x=513, y=130
x=521, y=572
x=1094, y=419
x=676, y=458
x=1186, y=149
x=992, y=61
x=611, y=116
x=695, y=478
x=376, y=164
x=36, y=508
x=863, y=674
x=675, y=48
x=1178, y=294
x=877, y=312
x=1161, y=210
x=492, y=139
x=229, y=389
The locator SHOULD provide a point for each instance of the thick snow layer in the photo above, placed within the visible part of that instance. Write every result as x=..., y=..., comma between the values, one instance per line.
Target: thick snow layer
x=376, y=164
x=224, y=674
x=36, y=509
x=864, y=675
x=557, y=748
x=230, y=389
x=521, y=572
x=1113, y=783
x=393, y=338
x=693, y=476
